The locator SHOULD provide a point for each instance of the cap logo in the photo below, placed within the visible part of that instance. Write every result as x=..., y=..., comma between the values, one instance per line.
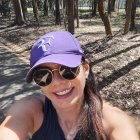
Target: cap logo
x=43, y=42
x=50, y=38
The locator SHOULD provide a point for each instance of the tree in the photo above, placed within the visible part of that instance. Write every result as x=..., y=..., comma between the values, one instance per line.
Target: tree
x=35, y=10
x=24, y=8
x=77, y=13
x=57, y=13
x=70, y=5
x=51, y=4
x=94, y=7
x=46, y=5
x=65, y=12
x=133, y=15
x=113, y=5
x=19, y=15
x=128, y=16
x=104, y=18
x=109, y=7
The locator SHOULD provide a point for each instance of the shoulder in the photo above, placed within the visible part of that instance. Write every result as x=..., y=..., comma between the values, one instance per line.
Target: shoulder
x=22, y=115
x=109, y=111
x=26, y=106
x=118, y=124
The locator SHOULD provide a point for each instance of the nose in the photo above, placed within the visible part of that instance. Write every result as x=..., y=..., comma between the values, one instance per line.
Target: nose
x=57, y=78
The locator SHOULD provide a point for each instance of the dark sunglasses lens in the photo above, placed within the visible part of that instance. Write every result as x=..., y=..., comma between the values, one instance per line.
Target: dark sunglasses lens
x=69, y=73
x=42, y=77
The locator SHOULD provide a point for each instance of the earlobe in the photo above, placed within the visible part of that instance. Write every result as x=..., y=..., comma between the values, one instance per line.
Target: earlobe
x=86, y=74
x=86, y=68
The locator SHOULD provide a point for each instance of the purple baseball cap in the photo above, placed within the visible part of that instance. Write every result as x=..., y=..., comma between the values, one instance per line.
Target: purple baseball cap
x=59, y=47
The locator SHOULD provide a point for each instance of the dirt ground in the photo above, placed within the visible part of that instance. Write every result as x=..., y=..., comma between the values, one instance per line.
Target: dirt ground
x=116, y=62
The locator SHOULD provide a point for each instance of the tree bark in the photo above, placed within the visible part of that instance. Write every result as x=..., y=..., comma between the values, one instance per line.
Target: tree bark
x=46, y=7
x=35, y=10
x=57, y=13
x=65, y=14
x=77, y=13
x=133, y=15
x=51, y=4
x=104, y=18
x=109, y=7
x=113, y=5
x=70, y=5
x=128, y=16
x=94, y=8
x=24, y=8
x=19, y=16
x=64, y=4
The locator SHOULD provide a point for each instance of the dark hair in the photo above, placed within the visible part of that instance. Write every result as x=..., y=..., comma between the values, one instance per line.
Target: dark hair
x=91, y=126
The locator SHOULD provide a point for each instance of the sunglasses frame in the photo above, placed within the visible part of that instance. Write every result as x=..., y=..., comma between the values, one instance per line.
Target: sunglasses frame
x=52, y=73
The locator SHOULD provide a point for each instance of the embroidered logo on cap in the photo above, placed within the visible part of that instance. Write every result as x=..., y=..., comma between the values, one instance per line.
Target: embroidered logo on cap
x=43, y=43
x=50, y=38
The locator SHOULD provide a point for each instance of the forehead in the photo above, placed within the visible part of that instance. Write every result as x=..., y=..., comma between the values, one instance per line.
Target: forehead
x=50, y=65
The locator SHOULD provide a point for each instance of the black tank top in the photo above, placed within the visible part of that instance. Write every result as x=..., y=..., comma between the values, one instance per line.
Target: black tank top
x=50, y=128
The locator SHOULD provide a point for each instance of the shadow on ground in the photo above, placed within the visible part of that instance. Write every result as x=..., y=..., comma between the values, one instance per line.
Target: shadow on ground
x=12, y=81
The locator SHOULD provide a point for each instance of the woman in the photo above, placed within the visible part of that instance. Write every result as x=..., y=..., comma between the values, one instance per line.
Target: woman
x=71, y=109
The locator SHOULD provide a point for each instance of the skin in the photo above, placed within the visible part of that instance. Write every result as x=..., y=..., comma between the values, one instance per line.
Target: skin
x=23, y=119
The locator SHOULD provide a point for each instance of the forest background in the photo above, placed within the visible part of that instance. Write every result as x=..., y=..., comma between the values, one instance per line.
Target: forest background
x=108, y=30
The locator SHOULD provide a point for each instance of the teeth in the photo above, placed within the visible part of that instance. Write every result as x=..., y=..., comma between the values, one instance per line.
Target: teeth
x=63, y=92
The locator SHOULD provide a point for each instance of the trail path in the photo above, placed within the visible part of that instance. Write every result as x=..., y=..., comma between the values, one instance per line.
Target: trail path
x=12, y=80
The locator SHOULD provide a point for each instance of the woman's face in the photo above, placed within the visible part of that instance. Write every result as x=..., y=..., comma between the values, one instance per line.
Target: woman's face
x=62, y=92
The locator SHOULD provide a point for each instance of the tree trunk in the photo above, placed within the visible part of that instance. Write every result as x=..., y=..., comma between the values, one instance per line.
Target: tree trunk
x=65, y=14
x=24, y=8
x=94, y=8
x=128, y=16
x=109, y=7
x=70, y=5
x=104, y=18
x=113, y=5
x=117, y=6
x=133, y=15
x=64, y=4
x=77, y=13
x=51, y=4
x=19, y=16
x=35, y=11
x=57, y=13
x=126, y=3
x=46, y=7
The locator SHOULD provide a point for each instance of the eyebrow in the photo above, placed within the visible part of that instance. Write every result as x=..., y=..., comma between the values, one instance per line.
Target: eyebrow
x=47, y=67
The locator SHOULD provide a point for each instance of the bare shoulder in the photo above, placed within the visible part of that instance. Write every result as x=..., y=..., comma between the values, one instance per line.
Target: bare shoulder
x=26, y=106
x=111, y=112
x=21, y=117
x=30, y=101
x=119, y=124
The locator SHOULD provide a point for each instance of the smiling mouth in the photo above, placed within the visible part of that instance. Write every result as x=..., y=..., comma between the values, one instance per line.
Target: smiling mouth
x=65, y=92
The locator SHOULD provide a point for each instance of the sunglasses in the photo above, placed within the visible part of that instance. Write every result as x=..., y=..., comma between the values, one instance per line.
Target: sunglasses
x=44, y=76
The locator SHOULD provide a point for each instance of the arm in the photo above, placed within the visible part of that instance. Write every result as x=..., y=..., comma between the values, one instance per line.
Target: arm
x=124, y=129
x=121, y=126
x=9, y=130
x=20, y=120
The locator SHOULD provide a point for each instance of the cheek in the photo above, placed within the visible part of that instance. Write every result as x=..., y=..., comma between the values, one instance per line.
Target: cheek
x=45, y=90
x=82, y=76
x=81, y=81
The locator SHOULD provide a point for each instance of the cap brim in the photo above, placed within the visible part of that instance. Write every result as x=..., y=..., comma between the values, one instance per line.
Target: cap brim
x=69, y=60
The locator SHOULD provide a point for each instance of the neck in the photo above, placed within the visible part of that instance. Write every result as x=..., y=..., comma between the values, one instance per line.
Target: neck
x=69, y=115
x=68, y=120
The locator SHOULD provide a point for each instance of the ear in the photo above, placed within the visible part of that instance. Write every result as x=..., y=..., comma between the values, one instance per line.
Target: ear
x=86, y=68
